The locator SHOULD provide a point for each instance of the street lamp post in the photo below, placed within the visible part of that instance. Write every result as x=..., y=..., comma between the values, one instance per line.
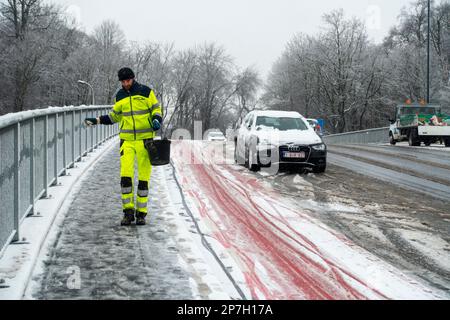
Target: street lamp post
x=92, y=89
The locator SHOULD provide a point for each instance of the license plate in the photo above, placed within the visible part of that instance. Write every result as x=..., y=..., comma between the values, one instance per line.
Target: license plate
x=295, y=155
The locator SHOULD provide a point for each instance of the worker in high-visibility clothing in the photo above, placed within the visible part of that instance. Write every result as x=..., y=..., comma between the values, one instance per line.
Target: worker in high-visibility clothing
x=139, y=113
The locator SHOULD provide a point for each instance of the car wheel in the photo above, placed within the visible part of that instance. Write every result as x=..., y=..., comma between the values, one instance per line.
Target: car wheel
x=253, y=163
x=320, y=169
x=237, y=157
x=246, y=158
x=447, y=143
x=392, y=140
x=412, y=139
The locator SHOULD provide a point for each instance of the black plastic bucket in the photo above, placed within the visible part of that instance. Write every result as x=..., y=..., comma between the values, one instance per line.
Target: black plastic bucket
x=158, y=151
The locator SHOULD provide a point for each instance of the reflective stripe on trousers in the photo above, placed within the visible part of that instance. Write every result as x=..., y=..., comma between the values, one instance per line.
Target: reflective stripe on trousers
x=129, y=152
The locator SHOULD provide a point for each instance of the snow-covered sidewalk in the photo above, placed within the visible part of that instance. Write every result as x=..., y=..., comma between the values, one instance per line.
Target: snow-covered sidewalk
x=88, y=255
x=19, y=260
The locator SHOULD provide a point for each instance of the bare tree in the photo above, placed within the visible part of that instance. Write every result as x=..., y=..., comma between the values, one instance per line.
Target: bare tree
x=406, y=47
x=29, y=29
x=110, y=43
x=22, y=16
x=340, y=76
x=323, y=76
x=212, y=83
x=247, y=84
x=184, y=67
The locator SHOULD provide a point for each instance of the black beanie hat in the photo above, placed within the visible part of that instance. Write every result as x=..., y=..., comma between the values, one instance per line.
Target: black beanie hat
x=125, y=74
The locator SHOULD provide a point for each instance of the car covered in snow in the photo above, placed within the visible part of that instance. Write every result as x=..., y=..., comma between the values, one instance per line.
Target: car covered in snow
x=216, y=136
x=277, y=137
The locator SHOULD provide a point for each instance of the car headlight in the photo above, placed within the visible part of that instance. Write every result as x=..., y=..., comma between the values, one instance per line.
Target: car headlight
x=320, y=147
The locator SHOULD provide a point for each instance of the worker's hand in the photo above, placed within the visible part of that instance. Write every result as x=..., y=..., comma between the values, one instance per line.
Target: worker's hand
x=156, y=125
x=91, y=121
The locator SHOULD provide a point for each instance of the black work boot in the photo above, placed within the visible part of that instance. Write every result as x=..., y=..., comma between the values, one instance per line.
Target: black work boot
x=140, y=218
x=128, y=217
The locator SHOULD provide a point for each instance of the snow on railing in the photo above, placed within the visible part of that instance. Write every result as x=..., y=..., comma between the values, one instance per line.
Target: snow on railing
x=37, y=147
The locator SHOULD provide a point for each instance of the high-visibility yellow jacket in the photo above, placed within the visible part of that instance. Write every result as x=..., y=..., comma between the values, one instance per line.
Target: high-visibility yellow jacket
x=135, y=111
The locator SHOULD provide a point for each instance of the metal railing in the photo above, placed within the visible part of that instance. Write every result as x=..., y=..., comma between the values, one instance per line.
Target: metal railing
x=379, y=135
x=36, y=148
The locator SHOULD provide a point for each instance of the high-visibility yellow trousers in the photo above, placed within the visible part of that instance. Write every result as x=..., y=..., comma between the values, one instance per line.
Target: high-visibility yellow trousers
x=129, y=151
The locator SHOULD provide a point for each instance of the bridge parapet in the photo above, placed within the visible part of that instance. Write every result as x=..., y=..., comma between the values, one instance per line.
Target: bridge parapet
x=37, y=147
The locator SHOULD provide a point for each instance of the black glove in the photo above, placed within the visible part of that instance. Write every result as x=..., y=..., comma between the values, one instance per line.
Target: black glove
x=91, y=121
x=156, y=125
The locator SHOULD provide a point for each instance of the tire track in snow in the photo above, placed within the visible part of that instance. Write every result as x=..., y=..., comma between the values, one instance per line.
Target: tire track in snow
x=306, y=245
x=293, y=269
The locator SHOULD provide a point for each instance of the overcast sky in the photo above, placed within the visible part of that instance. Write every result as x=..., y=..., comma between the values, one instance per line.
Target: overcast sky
x=254, y=32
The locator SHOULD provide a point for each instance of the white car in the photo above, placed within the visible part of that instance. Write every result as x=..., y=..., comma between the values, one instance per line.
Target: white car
x=286, y=138
x=216, y=136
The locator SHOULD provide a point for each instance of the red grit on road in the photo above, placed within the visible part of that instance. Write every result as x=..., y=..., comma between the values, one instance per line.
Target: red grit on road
x=283, y=253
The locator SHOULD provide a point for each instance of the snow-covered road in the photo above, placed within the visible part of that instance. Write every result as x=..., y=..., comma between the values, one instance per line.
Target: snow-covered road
x=215, y=232
x=282, y=250
x=424, y=170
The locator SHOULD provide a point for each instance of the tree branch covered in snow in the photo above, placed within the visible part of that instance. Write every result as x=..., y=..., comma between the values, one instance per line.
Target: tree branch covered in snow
x=44, y=54
x=352, y=83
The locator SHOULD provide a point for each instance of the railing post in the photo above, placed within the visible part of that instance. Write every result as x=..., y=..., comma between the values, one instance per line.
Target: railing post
x=97, y=131
x=73, y=139
x=16, y=181
x=100, y=129
x=103, y=131
x=92, y=135
x=86, y=131
x=32, y=166
x=64, y=145
x=46, y=156
x=81, y=134
x=55, y=171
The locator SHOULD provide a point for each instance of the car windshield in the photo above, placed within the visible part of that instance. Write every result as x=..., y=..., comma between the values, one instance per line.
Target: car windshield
x=216, y=134
x=281, y=123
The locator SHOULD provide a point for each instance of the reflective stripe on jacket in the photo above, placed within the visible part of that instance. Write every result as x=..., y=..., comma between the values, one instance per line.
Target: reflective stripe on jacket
x=135, y=110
